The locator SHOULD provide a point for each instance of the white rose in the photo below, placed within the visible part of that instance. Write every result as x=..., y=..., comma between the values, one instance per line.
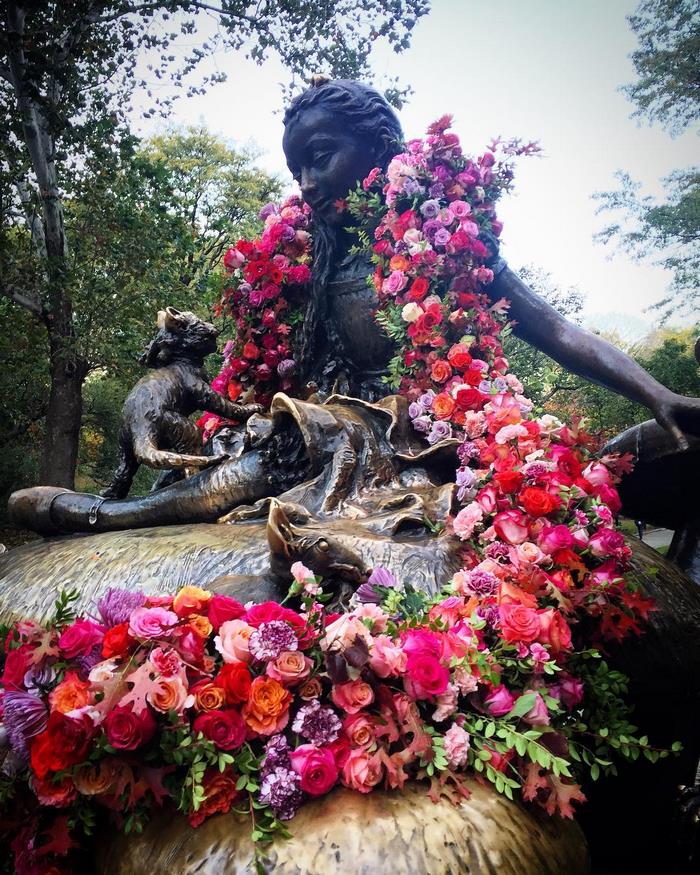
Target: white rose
x=411, y=312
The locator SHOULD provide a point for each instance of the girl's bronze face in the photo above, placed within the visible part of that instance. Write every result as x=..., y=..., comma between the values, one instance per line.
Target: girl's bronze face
x=327, y=159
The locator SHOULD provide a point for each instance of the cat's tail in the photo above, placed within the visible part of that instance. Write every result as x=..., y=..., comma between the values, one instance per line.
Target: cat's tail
x=148, y=454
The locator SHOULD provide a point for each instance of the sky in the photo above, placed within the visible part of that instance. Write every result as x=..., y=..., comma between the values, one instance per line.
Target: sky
x=546, y=70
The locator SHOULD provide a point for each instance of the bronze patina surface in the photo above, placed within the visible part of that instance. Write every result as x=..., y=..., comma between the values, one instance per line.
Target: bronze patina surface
x=377, y=834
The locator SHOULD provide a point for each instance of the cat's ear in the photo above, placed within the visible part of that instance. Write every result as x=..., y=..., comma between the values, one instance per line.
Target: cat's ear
x=173, y=320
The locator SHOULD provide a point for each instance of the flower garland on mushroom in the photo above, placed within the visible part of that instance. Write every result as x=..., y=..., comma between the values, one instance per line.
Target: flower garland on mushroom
x=194, y=699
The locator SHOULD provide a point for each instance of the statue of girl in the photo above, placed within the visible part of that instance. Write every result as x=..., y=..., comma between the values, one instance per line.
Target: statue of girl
x=336, y=132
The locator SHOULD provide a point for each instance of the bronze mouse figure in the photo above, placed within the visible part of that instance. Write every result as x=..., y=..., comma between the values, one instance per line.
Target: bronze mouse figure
x=155, y=428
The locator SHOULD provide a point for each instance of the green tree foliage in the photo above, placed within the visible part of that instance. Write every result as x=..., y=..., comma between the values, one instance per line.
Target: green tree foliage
x=667, y=91
x=68, y=73
x=666, y=62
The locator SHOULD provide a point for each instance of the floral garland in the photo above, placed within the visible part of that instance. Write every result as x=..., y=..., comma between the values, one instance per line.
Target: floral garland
x=202, y=703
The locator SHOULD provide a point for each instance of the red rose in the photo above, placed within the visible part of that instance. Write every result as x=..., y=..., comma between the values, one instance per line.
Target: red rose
x=508, y=481
x=64, y=743
x=117, y=641
x=234, y=679
x=418, y=290
x=16, y=665
x=220, y=793
x=459, y=356
x=537, y=502
x=441, y=371
x=250, y=350
x=469, y=399
x=58, y=795
x=519, y=623
x=222, y=608
x=127, y=730
x=426, y=675
x=225, y=728
x=317, y=768
x=473, y=376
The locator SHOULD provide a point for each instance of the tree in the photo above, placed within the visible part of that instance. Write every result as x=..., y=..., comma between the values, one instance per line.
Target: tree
x=68, y=71
x=666, y=62
x=667, y=91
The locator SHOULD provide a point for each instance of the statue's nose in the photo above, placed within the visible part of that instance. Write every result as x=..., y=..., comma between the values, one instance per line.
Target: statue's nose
x=307, y=185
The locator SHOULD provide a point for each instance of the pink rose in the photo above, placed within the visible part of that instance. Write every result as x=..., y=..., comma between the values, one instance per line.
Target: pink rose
x=456, y=746
x=553, y=538
x=223, y=608
x=487, y=499
x=232, y=641
x=316, y=767
x=359, y=730
x=386, y=659
x=538, y=715
x=526, y=553
x=596, y=473
x=606, y=542
x=421, y=641
x=466, y=520
x=395, y=282
x=80, y=638
x=151, y=622
x=569, y=689
x=361, y=772
x=511, y=526
x=353, y=696
x=499, y=702
x=425, y=676
x=610, y=496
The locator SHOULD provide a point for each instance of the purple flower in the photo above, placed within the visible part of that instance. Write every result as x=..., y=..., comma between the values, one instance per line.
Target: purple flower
x=489, y=615
x=228, y=349
x=467, y=451
x=90, y=660
x=268, y=210
x=286, y=368
x=271, y=639
x=442, y=237
x=497, y=550
x=500, y=384
x=465, y=477
x=382, y=577
x=116, y=605
x=411, y=186
x=485, y=386
x=440, y=431
x=366, y=594
x=426, y=400
x=422, y=424
x=317, y=723
x=276, y=755
x=288, y=233
x=38, y=677
x=430, y=209
x=481, y=583
x=415, y=409
x=24, y=716
x=535, y=470
x=437, y=189
x=281, y=790
x=431, y=227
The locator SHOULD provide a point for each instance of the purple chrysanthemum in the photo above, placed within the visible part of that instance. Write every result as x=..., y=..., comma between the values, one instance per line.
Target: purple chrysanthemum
x=481, y=583
x=116, y=605
x=24, y=716
x=271, y=639
x=90, y=660
x=317, y=723
x=38, y=677
x=281, y=790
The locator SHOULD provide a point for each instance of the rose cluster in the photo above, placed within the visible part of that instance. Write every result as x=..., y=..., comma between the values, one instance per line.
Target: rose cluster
x=263, y=294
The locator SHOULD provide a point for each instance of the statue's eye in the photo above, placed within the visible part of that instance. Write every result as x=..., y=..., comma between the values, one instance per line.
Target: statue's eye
x=323, y=157
x=323, y=545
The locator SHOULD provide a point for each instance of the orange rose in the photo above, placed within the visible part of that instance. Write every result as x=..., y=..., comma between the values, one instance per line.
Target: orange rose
x=443, y=405
x=440, y=371
x=312, y=689
x=220, y=794
x=97, y=780
x=170, y=694
x=399, y=262
x=267, y=709
x=190, y=600
x=208, y=697
x=70, y=694
x=200, y=625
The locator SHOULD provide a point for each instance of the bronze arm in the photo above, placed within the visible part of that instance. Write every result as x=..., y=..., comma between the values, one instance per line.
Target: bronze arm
x=591, y=357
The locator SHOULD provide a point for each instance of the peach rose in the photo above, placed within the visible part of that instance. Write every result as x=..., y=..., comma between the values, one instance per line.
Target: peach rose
x=232, y=641
x=96, y=780
x=200, y=625
x=312, y=689
x=209, y=697
x=290, y=668
x=267, y=709
x=170, y=694
x=359, y=731
x=386, y=658
x=353, y=696
x=361, y=772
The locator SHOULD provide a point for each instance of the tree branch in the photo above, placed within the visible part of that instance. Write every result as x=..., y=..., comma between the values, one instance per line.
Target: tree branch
x=22, y=299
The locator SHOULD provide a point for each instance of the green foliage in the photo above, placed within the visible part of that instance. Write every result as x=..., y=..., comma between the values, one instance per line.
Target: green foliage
x=667, y=233
x=666, y=62
x=63, y=611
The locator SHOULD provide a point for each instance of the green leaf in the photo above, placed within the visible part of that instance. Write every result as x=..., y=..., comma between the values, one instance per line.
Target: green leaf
x=522, y=705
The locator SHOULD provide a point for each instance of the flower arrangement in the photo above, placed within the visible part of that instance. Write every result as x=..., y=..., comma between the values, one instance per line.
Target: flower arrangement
x=202, y=703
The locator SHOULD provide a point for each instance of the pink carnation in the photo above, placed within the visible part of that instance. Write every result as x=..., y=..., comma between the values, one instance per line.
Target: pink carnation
x=467, y=520
x=456, y=746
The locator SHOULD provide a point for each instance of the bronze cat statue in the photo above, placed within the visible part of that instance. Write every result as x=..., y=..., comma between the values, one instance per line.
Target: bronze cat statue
x=155, y=429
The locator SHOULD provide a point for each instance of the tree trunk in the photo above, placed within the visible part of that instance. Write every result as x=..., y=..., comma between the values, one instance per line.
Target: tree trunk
x=62, y=419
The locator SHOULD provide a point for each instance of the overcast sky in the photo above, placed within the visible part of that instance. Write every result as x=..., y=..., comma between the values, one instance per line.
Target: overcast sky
x=548, y=70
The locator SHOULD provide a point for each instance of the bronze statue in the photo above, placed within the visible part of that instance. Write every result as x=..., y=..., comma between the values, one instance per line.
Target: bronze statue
x=155, y=429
